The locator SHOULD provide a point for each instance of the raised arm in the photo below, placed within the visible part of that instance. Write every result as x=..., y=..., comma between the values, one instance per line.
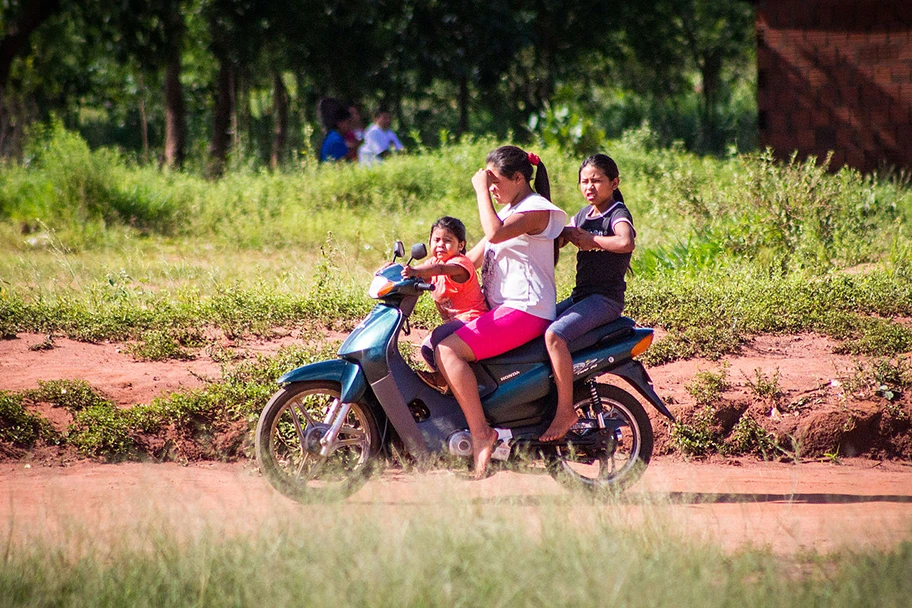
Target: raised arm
x=495, y=230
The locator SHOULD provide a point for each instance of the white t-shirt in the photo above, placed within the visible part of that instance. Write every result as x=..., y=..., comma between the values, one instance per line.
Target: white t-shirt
x=377, y=141
x=519, y=272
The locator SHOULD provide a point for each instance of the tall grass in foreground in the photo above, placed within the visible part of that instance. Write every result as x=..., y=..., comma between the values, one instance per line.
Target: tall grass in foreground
x=458, y=554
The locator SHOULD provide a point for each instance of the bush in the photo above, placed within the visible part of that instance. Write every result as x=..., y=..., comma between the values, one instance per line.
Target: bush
x=20, y=427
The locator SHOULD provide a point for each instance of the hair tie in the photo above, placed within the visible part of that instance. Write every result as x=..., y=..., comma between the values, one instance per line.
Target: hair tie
x=534, y=159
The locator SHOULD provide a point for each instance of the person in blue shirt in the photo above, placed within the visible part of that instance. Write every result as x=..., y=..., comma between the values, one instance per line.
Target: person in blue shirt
x=336, y=120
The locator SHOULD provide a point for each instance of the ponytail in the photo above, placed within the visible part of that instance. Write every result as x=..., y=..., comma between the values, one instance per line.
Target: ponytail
x=542, y=185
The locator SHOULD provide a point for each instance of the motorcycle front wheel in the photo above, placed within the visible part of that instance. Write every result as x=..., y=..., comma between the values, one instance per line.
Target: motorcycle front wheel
x=288, y=443
x=606, y=470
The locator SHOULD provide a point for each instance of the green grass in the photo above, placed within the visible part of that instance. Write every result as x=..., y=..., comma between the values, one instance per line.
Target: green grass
x=95, y=248
x=458, y=554
x=102, y=430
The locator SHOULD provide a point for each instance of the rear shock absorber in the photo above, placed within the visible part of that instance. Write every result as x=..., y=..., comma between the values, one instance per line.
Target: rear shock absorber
x=595, y=402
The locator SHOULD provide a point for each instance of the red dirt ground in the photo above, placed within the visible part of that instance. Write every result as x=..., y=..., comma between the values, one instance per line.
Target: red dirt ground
x=736, y=501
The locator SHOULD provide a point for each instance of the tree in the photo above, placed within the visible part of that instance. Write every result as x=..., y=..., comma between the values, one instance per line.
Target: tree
x=18, y=20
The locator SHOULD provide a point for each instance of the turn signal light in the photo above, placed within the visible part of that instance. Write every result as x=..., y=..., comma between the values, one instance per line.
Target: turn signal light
x=641, y=346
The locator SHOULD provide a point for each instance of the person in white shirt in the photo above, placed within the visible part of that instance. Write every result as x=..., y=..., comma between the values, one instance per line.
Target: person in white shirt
x=379, y=140
x=517, y=260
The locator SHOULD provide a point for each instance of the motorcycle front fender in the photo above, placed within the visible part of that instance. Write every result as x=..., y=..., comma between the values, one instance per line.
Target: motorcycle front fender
x=347, y=374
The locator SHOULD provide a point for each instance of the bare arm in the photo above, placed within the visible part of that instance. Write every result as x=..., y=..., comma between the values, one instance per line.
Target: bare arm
x=495, y=230
x=476, y=253
x=623, y=240
x=564, y=237
x=431, y=269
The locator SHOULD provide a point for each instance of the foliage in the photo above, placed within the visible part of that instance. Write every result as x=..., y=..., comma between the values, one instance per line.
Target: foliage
x=72, y=395
x=101, y=66
x=726, y=248
x=101, y=430
x=161, y=345
x=765, y=386
x=706, y=387
x=18, y=426
x=748, y=437
x=887, y=377
x=700, y=436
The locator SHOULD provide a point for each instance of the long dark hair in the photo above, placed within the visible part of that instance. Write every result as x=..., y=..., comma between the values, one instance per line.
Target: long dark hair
x=456, y=227
x=606, y=165
x=510, y=160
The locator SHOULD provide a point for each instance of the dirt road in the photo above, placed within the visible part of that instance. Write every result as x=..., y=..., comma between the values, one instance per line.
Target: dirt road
x=786, y=507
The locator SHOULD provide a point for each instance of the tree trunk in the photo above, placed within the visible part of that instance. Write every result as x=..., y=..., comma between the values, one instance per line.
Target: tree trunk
x=240, y=112
x=143, y=120
x=710, y=71
x=463, y=106
x=221, y=127
x=175, y=111
x=280, y=118
x=175, y=116
x=15, y=36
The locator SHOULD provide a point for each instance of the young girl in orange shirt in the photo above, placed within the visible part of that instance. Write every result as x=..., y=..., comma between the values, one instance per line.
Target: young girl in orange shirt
x=457, y=292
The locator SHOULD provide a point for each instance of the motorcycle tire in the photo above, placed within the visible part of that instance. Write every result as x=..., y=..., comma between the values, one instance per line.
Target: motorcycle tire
x=288, y=443
x=603, y=472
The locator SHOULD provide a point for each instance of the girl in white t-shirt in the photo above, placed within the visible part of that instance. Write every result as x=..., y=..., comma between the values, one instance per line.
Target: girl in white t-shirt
x=517, y=279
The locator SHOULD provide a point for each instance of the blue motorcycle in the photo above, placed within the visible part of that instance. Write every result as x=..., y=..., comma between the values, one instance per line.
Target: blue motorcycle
x=333, y=423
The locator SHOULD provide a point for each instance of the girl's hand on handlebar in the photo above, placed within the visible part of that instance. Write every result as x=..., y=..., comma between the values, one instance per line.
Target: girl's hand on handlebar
x=420, y=273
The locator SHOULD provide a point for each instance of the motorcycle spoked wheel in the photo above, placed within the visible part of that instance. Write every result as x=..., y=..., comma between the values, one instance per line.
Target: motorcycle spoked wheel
x=604, y=472
x=288, y=444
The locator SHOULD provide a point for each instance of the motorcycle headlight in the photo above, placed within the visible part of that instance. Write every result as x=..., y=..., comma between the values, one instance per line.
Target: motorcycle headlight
x=379, y=287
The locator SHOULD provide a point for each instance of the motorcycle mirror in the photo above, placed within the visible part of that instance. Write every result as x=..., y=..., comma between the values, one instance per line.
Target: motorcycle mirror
x=398, y=250
x=418, y=251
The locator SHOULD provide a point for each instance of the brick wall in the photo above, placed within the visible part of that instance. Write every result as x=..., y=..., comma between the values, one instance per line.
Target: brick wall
x=836, y=75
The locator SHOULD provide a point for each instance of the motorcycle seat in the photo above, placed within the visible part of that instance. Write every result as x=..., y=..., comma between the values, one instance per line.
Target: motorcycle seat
x=535, y=351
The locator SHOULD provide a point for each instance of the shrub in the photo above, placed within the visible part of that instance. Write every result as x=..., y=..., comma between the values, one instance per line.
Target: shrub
x=706, y=387
x=764, y=386
x=699, y=437
x=748, y=437
x=72, y=395
x=20, y=427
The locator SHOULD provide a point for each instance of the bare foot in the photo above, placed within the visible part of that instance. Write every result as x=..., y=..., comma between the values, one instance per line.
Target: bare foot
x=483, y=448
x=559, y=426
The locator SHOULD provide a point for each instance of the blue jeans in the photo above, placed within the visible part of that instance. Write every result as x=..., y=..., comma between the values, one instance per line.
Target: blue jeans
x=575, y=319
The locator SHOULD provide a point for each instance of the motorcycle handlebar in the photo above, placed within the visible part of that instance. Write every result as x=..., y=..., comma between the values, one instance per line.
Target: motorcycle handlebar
x=424, y=286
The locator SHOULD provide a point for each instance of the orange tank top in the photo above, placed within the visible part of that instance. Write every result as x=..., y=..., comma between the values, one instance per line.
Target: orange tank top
x=463, y=301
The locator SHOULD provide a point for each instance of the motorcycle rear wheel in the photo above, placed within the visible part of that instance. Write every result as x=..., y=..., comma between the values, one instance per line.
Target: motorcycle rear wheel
x=606, y=472
x=288, y=443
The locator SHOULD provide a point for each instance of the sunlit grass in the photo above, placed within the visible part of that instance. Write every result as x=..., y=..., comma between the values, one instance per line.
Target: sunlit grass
x=442, y=550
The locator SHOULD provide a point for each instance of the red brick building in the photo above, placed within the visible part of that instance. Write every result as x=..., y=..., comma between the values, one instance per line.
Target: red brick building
x=836, y=75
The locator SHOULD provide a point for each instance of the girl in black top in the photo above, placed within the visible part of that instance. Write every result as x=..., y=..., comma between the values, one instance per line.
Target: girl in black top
x=603, y=232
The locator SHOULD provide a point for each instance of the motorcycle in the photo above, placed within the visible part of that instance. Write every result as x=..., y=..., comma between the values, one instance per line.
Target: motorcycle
x=333, y=423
